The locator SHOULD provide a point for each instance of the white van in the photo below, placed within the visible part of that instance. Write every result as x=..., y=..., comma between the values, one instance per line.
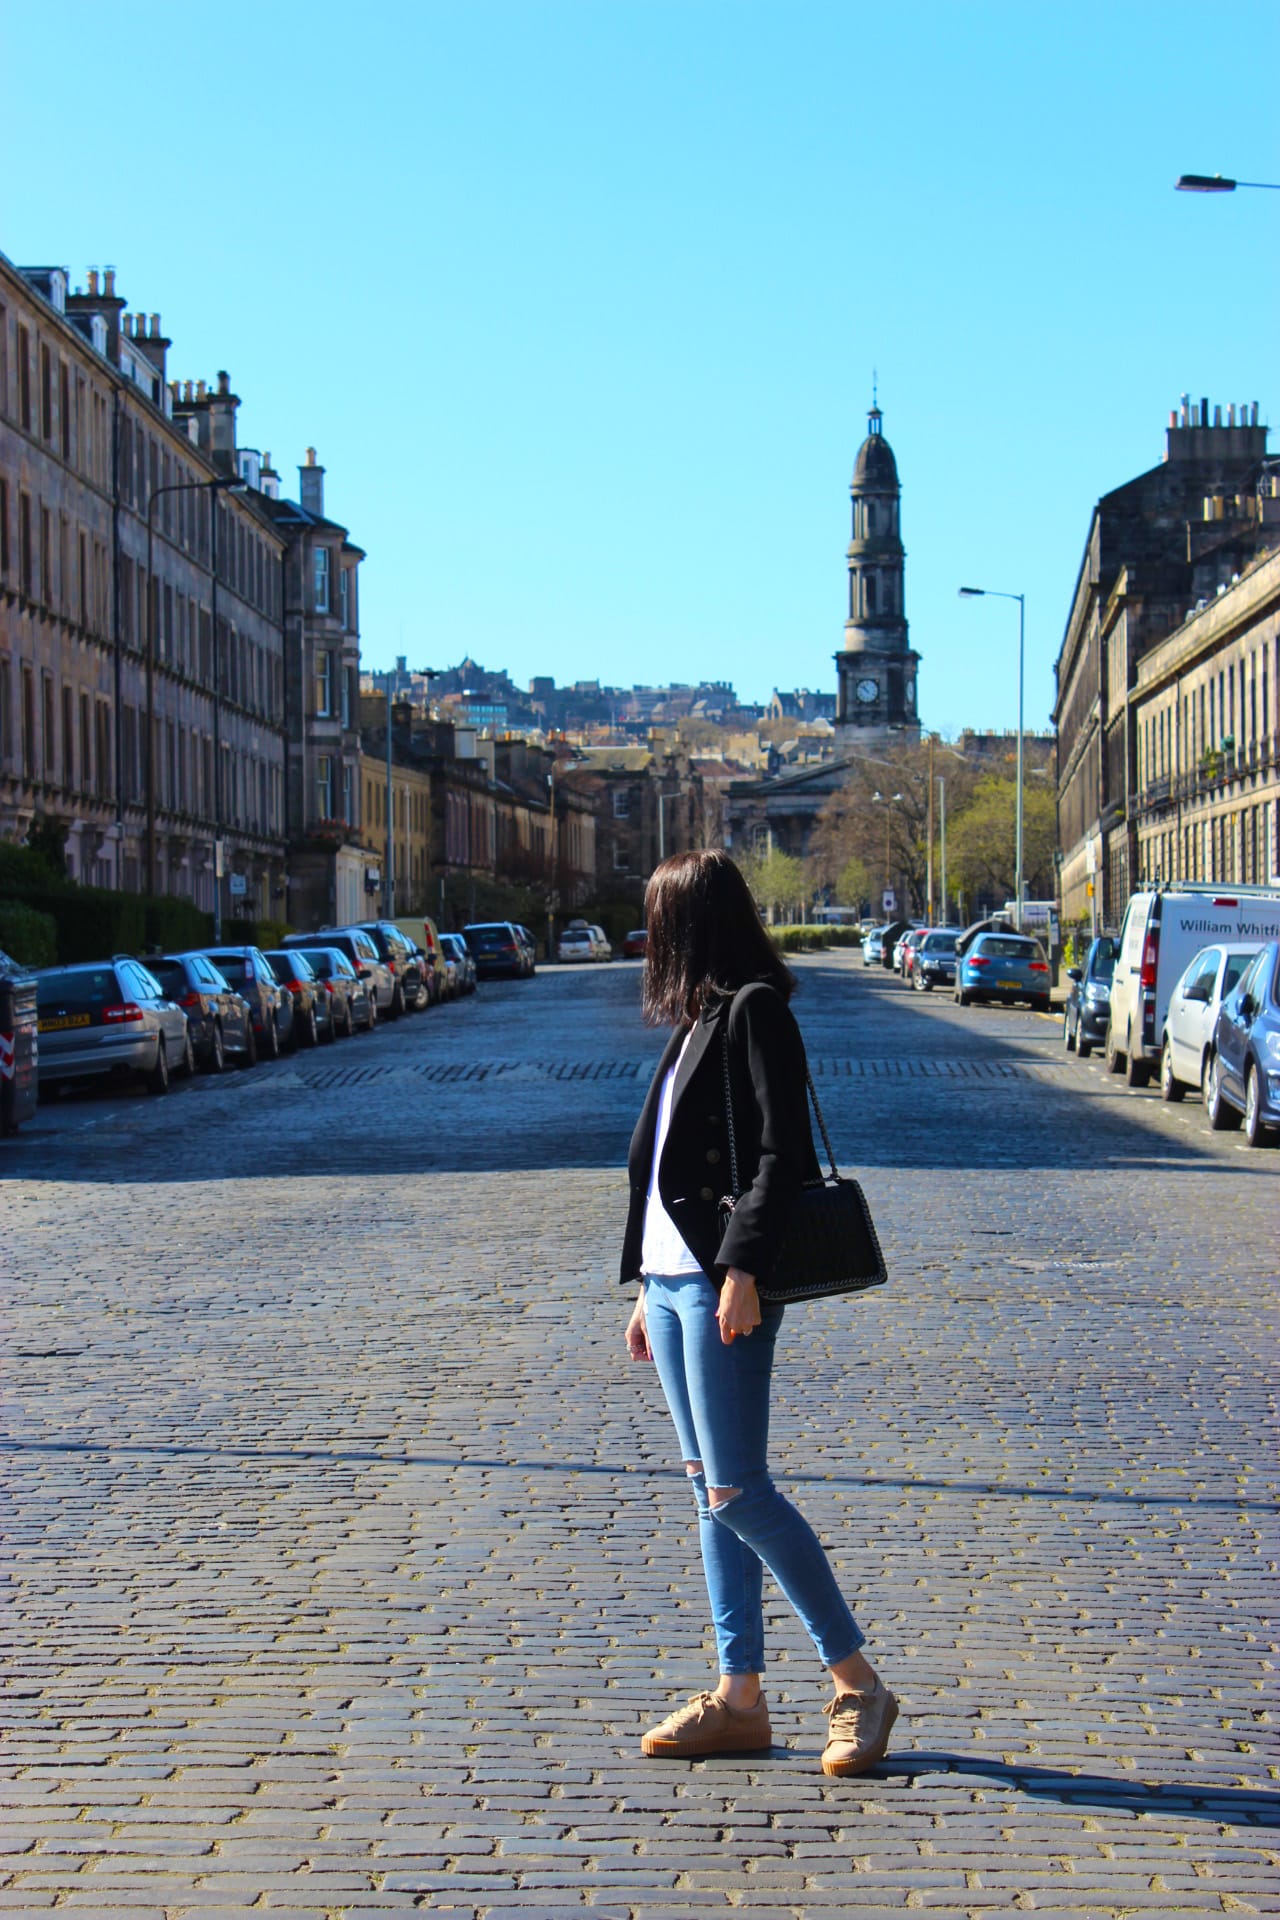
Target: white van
x=1163, y=928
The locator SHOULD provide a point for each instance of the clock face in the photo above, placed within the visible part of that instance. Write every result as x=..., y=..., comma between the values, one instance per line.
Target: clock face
x=867, y=689
x=911, y=693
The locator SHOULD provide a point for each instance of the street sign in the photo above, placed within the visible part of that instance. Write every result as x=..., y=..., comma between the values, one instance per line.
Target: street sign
x=888, y=900
x=239, y=885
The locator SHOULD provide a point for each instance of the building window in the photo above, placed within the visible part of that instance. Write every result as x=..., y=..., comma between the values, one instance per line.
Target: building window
x=28, y=723
x=4, y=527
x=324, y=786
x=321, y=558
x=68, y=737
x=46, y=558
x=621, y=804
x=24, y=379
x=324, y=683
x=621, y=858
x=344, y=597
x=25, y=568
x=348, y=797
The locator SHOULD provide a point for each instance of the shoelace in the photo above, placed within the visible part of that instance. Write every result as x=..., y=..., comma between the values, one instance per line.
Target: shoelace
x=843, y=1702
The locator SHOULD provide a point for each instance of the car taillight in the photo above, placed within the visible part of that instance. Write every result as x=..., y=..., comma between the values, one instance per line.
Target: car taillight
x=116, y=1016
x=190, y=1000
x=295, y=986
x=1151, y=947
x=1038, y=966
x=328, y=986
x=391, y=968
x=979, y=960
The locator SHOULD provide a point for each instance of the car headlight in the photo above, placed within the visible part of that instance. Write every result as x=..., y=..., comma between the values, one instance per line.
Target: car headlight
x=1271, y=1046
x=1099, y=995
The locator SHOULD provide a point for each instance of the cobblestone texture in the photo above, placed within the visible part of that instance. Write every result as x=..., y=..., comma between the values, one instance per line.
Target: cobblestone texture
x=348, y=1556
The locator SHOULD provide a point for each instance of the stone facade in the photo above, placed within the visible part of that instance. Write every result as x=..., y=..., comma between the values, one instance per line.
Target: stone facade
x=1207, y=798
x=646, y=807
x=1158, y=549
x=145, y=754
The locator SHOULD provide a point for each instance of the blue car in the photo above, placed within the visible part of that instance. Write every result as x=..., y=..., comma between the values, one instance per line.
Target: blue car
x=1244, y=1071
x=1003, y=966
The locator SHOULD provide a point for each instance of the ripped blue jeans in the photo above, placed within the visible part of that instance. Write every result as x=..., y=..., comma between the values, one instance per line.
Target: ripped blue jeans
x=719, y=1400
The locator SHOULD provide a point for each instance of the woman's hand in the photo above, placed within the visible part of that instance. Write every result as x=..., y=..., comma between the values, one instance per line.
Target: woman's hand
x=739, y=1309
x=637, y=1333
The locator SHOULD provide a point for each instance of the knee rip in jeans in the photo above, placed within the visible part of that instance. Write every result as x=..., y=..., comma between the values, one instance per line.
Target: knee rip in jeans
x=716, y=1496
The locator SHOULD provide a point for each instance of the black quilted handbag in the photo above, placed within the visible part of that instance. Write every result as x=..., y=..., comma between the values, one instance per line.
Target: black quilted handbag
x=831, y=1245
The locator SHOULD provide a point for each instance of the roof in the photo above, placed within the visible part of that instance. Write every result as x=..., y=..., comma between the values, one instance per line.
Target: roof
x=875, y=468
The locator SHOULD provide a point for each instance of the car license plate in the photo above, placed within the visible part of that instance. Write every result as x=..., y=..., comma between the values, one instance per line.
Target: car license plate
x=1008, y=983
x=62, y=1020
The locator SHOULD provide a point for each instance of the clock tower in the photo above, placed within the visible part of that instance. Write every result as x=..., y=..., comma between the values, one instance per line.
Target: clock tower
x=876, y=667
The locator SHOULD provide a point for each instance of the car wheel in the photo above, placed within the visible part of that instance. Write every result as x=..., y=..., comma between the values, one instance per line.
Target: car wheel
x=1171, y=1088
x=188, y=1057
x=1068, y=1033
x=371, y=1016
x=1136, y=1072
x=250, y=1048
x=158, y=1078
x=350, y=1026
x=1083, y=1047
x=1043, y=1004
x=1115, y=1059
x=1255, y=1131
x=217, y=1060
x=917, y=981
x=397, y=1003
x=963, y=996
x=1222, y=1118
x=271, y=1046
x=311, y=1032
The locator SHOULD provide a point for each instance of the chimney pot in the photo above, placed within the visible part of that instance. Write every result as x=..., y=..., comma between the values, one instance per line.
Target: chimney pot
x=1173, y=417
x=109, y=282
x=201, y=390
x=1231, y=414
x=93, y=280
x=155, y=324
x=311, y=456
x=224, y=381
x=1217, y=416
x=1253, y=414
x=126, y=322
x=1204, y=412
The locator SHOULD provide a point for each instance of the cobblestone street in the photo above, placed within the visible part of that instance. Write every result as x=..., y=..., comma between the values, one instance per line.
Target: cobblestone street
x=349, y=1555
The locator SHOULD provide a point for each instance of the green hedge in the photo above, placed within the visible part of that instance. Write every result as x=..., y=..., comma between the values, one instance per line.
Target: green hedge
x=28, y=936
x=812, y=939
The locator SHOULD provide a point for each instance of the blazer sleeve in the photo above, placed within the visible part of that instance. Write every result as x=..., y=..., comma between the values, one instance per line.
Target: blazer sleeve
x=764, y=1037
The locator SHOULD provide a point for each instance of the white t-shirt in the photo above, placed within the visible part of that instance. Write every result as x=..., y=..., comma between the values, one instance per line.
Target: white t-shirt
x=662, y=1250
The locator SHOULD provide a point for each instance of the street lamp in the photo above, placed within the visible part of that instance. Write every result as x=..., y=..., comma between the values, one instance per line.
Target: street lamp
x=1219, y=183
x=220, y=483
x=879, y=800
x=994, y=593
x=389, y=877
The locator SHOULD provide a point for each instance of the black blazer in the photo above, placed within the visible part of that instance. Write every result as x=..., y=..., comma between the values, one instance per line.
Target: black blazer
x=771, y=1124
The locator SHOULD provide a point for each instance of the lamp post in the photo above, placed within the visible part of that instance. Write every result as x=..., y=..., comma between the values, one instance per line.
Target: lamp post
x=942, y=811
x=995, y=593
x=389, y=877
x=1219, y=183
x=879, y=800
x=220, y=483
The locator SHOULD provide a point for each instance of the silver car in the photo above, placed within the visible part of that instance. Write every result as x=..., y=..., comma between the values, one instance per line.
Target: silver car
x=109, y=1017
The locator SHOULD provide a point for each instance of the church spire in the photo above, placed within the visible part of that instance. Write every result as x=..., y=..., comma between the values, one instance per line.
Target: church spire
x=877, y=667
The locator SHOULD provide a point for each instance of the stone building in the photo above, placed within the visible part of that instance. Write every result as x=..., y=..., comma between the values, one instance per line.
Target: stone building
x=1158, y=548
x=876, y=669
x=647, y=805
x=1206, y=799
x=141, y=678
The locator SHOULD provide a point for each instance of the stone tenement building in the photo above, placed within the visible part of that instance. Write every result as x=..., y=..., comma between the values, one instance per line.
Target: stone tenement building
x=876, y=669
x=1159, y=549
x=146, y=756
x=178, y=644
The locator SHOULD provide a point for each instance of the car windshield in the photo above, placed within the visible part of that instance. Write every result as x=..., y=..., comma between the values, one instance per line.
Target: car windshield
x=1236, y=964
x=1103, y=964
x=232, y=967
x=171, y=974
x=939, y=943
x=1006, y=947
x=489, y=936
x=282, y=965
x=80, y=988
x=576, y=935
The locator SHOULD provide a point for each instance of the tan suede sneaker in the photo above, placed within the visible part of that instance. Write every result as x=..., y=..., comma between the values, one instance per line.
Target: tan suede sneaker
x=707, y=1725
x=860, y=1727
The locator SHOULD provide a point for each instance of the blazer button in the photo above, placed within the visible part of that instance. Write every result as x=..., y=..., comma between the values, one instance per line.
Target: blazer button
x=713, y=1155
x=705, y=1193
x=713, y=1119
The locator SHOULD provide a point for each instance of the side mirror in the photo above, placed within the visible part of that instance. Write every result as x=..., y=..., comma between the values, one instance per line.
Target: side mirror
x=1075, y=973
x=1247, y=1007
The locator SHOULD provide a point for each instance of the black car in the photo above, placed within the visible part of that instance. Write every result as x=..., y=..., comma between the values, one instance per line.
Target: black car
x=498, y=950
x=1087, y=1014
x=248, y=970
x=311, y=1015
x=217, y=1016
x=409, y=981
x=360, y=950
x=934, y=961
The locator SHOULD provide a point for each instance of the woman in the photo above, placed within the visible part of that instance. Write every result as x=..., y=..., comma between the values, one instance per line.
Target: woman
x=712, y=971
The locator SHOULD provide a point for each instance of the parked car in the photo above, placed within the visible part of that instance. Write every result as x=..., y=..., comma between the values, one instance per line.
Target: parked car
x=530, y=946
x=109, y=1017
x=603, y=944
x=409, y=981
x=576, y=942
x=248, y=970
x=635, y=944
x=311, y=1004
x=1088, y=1009
x=350, y=994
x=933, y=962
x=889, y=943
x=458, y=954
x=1006, y=967
x=436, y=967
x=907, y=948
x=1187, y=1045
x=365, y=959
x=217, y=1016
x=497, y=949
x=1244, y=1073
x=1161, y=930
x=873, y=947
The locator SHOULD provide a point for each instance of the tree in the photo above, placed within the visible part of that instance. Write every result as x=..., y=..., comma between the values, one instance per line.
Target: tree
x=854, y=885
x=880, y=818
x=982, y=841
x=777, y=880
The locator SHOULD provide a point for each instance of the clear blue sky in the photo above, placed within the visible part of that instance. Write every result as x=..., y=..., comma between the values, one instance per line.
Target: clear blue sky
x=579, y=300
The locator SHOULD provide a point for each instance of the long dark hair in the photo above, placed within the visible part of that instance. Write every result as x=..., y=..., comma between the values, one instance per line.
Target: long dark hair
x=705, y=938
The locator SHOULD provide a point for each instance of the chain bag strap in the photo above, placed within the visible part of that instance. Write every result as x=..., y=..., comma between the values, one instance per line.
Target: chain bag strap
x=831, y=1244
